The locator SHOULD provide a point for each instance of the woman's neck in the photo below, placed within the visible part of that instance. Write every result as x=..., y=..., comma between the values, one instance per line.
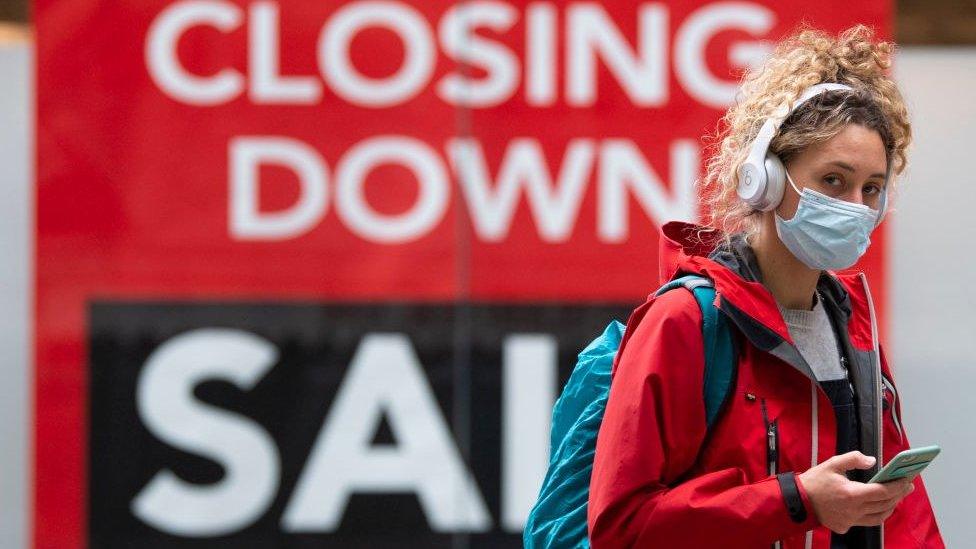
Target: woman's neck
x=792, y=283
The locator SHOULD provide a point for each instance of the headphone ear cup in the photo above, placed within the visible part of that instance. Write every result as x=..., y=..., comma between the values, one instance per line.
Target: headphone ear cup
x=751, y=186
x=775, y=182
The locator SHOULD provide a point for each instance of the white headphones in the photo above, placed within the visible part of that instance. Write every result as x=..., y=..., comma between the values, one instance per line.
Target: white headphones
x=762, y=176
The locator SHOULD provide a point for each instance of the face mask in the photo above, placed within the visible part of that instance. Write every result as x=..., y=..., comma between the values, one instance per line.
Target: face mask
x=826, y=233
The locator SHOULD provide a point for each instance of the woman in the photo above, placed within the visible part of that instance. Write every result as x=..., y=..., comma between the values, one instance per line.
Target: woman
x=813, y=402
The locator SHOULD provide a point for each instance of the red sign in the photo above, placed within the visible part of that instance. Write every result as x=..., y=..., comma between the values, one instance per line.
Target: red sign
x=375, y=151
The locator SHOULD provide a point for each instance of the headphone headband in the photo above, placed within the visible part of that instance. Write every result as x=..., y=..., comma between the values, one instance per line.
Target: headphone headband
x=767, y=132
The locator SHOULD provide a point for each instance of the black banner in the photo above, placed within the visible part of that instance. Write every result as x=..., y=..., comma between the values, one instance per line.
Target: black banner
x=292, y=425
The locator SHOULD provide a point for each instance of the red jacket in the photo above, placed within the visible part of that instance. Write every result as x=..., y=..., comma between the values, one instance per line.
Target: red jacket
x=659, y=482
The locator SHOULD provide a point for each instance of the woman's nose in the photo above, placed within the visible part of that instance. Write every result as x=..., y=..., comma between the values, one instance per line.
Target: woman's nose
x=853, y=195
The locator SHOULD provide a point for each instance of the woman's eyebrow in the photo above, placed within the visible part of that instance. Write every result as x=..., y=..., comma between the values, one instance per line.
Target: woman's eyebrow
x=848, y=167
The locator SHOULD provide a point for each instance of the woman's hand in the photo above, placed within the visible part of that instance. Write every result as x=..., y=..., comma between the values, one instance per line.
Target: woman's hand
x=841, y=503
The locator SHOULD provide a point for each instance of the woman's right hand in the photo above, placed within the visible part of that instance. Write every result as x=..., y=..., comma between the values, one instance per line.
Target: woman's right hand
x=841, y=503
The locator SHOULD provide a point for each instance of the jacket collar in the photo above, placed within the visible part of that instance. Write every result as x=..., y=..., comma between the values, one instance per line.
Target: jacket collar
x=734, y=269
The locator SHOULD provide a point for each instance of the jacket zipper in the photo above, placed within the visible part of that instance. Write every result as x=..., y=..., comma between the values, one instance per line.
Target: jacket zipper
x=847, y=372
x=772, y=439
x=772, y=447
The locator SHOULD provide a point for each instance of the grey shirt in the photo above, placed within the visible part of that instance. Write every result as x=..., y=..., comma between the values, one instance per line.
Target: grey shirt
x=814, y=337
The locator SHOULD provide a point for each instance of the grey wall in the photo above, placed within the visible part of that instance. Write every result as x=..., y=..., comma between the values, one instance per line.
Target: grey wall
x=16, y=219
x=933, y=274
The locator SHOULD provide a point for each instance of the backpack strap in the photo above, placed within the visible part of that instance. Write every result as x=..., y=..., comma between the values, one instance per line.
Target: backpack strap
x=720, y=359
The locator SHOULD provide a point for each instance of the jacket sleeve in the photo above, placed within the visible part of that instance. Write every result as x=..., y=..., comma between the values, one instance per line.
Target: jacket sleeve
x=913, y=522
x=653, y=427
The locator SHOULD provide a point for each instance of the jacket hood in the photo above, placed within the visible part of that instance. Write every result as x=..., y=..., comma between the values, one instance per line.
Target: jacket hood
x=733, y=268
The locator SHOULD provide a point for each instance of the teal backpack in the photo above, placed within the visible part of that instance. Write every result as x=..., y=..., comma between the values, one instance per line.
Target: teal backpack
x=558, y=519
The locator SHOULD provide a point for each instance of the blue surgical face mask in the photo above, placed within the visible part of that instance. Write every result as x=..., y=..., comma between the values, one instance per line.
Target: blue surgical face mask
x=826, y=233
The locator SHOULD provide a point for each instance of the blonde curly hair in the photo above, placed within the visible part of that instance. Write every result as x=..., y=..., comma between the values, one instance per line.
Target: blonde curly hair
x=805, y=58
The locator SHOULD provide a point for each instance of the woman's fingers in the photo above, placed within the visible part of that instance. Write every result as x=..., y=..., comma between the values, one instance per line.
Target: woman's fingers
x=876, y=507
x=873, y=492
x=876, y=519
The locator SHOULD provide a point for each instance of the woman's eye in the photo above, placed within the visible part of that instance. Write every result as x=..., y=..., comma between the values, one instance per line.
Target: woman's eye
x=832, y=180
x=872, y=190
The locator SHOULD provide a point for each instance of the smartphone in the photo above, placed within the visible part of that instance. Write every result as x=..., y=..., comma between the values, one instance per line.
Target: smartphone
x=907, y=462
